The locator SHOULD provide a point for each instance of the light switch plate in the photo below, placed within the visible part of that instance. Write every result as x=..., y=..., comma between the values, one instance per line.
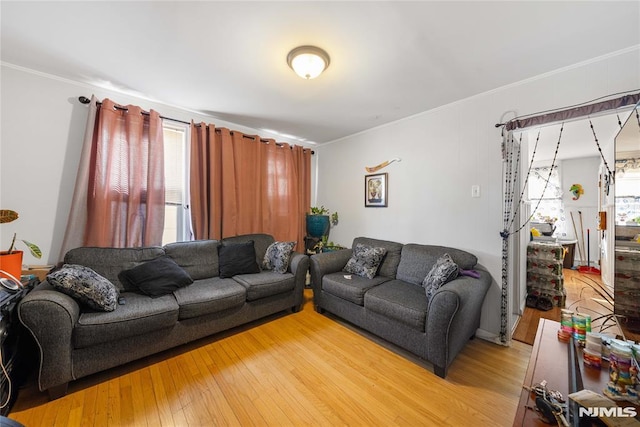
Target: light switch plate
x=475, y=191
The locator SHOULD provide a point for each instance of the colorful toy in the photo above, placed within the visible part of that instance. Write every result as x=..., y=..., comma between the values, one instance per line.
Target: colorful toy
x=577, y=191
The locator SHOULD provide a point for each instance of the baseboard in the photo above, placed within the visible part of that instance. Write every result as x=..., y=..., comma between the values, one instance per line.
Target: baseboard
x=491, y=337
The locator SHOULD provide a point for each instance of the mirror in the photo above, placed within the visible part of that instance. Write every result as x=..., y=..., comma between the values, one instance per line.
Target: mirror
x=627, y=226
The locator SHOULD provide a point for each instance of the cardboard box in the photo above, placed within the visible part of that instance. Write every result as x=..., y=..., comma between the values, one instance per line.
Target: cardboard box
x=40, y=271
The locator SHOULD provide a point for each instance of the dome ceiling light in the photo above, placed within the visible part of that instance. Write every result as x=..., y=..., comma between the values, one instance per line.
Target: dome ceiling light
x=308, y=61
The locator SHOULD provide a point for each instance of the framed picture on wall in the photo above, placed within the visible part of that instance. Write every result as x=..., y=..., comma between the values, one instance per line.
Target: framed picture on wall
x=375, y=190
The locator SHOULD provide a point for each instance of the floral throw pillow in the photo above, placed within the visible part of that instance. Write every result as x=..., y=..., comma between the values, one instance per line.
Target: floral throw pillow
x=443, y=271
x=277, y=256
x=86, y=286
x=365, y=260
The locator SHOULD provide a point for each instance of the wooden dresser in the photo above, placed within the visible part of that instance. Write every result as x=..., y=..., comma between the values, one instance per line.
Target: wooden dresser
x=550, y=361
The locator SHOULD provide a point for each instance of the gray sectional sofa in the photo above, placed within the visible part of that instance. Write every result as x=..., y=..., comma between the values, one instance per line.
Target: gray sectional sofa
x=75, y=341
x=393, y=305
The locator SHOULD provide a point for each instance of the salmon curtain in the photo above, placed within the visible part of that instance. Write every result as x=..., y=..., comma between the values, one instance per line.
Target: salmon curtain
x=244, y=184
x=119, y=194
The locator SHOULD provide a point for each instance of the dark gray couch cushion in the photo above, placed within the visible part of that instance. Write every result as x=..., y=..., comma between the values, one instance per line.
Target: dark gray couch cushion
x=266, y=284
x=199, y=258
x=208, y=296
x=400, y=301
x=139, y=315
x=237, y=258
x=261, y=243
x=389, y=265
x=109, y=262
x=160, y=276
x=353, y=289
x=417, y=261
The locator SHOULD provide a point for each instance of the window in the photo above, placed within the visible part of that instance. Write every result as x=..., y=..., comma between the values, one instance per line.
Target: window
x=177, y=224
x=627, y=187
x=551, y=208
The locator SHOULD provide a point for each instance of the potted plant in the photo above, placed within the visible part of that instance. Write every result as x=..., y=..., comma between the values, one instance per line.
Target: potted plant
x=325, y=245
x=11, y=260
x=319, y=221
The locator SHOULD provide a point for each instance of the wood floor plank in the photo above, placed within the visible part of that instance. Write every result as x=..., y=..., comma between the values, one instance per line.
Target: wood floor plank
x=283, y=381
x=296, y=369
x=62, y=416
x=77, y=406
x=177, y=394
x=239, y=398
x=213, y=397
x=580, y=298
x=152, y=414
x=101, y=416
x=137, y=399
x=162, y=401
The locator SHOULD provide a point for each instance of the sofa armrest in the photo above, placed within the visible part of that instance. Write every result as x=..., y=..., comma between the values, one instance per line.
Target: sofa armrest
x=50, y=316
x=299, y=266
x=453, y=317
x=326, y=263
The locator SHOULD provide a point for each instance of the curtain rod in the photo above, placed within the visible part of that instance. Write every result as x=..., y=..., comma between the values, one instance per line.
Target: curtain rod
x=572, y=112
x=85, y=100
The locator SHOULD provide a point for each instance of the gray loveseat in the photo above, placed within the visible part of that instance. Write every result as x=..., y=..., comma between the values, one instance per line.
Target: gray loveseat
x=75, y=342
x=394, y=305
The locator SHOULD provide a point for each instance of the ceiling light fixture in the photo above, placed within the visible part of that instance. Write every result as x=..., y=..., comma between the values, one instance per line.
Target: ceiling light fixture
x=308, y=61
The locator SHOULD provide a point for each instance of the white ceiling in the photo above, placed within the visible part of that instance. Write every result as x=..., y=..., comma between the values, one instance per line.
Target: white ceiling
x=389, y=59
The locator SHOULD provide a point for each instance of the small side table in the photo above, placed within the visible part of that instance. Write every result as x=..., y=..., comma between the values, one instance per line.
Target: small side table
x=18, y=348
x=310, y=243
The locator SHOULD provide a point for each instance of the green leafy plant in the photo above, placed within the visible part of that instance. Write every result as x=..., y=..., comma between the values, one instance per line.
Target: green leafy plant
x=605, y=301
x=315, y=210
x=10, y=216
x=319, y=210
x=334, y=218
x=325, y=245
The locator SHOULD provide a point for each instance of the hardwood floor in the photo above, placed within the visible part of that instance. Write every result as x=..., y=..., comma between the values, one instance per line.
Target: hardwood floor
x=298, y=369
x=580, y=298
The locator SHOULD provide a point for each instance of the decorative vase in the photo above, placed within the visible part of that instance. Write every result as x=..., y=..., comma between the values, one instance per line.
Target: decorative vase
x=11, y=263
x=318, y=225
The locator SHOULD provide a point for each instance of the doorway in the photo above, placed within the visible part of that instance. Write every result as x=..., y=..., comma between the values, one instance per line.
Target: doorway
x=579, y=144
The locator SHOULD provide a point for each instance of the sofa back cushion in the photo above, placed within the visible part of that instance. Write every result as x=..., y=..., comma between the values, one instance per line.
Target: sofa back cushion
x=389, y=265
x=109, y=262
x=199, y=258
x=261, y=243
x=160, y=276
x=417, y=261
x=237, y=258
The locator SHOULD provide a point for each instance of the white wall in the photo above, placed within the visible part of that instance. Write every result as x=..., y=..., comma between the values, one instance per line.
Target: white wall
x=43, y=125
x=444, y=152
x=582, y=171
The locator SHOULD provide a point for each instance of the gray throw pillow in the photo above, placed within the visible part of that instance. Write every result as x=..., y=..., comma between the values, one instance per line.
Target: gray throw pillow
x=277, y=256
x=85, y=285
x=443, y=271
x=365, y=260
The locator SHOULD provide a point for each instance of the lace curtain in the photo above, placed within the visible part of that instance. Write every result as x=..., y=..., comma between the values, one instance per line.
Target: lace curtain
x=627, y=187
x=551, y=208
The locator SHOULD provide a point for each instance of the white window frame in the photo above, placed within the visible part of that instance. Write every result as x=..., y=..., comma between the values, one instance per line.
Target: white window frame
x=184, y=232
